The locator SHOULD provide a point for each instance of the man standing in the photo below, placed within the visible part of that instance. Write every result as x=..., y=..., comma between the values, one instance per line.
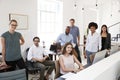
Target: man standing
x=74, y=30
x=65, y=37
x=37, y=57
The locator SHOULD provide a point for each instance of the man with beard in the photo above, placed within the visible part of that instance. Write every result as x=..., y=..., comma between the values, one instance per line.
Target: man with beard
x=65, y=37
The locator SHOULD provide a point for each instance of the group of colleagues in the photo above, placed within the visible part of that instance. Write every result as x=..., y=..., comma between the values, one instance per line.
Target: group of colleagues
x=70, y=42
x=95, y=42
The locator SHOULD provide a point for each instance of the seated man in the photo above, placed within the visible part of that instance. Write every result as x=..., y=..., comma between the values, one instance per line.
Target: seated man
x=36, y=55
x=65, y=37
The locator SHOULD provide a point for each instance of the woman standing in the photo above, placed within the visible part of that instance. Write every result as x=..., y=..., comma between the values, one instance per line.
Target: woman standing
x=106, y=39
x=67, y=60
x=11, y=52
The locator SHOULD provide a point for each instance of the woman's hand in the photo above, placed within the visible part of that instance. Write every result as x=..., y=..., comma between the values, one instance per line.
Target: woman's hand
x=81, y=68
x=3, y=64
x=75, y=70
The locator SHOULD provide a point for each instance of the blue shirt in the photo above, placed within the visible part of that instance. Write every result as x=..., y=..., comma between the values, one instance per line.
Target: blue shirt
x=74, y=30
x=63, y=38
x=12, y=46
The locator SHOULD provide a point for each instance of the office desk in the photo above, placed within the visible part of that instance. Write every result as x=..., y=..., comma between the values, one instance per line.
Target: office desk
x=106, y=69
x=60, y=78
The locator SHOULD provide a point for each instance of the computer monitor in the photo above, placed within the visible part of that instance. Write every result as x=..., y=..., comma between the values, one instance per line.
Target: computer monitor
x=114, y=49
x=99, y=56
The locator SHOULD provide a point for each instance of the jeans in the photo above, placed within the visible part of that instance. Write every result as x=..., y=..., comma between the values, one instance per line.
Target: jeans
x=88, y=53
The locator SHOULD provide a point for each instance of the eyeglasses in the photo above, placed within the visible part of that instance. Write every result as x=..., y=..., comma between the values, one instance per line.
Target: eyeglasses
x=13, y=25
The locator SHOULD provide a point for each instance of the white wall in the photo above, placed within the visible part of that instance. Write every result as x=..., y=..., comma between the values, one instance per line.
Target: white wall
x=82, y=17
x=70, y=11
x=109, y=15
x=100, y=14
x=27, y=7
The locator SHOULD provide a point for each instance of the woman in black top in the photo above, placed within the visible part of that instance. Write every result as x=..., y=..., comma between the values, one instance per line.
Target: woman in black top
x=106, y=38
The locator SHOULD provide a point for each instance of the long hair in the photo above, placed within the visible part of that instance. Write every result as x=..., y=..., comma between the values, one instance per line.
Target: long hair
x=73, y=52
x=105, y=27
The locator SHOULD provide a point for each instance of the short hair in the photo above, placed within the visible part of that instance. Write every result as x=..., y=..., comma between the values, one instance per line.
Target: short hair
x=13, y=20
x=92, y=24
x=36, y=38
x=68, y=27
x=72, y=19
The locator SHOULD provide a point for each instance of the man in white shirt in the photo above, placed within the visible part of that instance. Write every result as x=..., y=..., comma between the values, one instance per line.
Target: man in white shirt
x=93, y=43
x=65, y=37
x=37, y=57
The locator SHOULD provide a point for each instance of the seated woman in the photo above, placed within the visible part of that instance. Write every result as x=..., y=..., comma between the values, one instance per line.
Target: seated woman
x=67, y=60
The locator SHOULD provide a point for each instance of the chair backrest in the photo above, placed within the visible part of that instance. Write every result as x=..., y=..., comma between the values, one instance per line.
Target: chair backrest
x=99, y=56
x=57, y=69
x=55, y=47
x=14, y=75
x=29, y=64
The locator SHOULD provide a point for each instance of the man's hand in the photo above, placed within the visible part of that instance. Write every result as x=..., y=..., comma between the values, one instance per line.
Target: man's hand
x=78, y=43
x=45, y=57
x=41, y=60
x=85, y=56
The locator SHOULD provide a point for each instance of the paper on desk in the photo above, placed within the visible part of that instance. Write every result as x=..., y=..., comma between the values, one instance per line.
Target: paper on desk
x=68, y=75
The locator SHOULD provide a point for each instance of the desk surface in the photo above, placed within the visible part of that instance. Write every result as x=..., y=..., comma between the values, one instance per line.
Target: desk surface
x=60, y=78
x=96, y=69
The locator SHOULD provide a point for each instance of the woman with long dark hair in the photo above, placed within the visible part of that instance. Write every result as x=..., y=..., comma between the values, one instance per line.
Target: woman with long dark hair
x=106, y=38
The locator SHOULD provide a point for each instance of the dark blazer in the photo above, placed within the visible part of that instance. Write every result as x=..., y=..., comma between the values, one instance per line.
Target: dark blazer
x=107, y=44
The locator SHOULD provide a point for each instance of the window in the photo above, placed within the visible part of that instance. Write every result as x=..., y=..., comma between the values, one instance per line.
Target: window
x=49, y=20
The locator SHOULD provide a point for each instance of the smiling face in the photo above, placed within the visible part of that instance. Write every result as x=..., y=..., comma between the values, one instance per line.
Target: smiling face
x=104, y=29
x=13, y=25
x=36, y=42
x=69, y=49
x=92, y=29
x=72, y=23
x=67, y=31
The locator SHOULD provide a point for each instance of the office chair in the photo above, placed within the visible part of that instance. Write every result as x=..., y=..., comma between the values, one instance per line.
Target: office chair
x=57, y=69
x=31, y=69
x=99, y=56
x=14, y=75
